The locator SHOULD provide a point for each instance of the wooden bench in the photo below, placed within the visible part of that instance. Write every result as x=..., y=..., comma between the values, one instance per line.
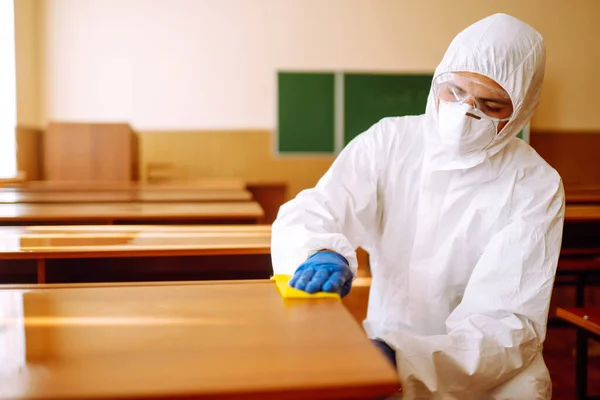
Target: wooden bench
x=12, y=196
x=587, y=322
x=131, y=213
x=227, y=340
x=133, y=253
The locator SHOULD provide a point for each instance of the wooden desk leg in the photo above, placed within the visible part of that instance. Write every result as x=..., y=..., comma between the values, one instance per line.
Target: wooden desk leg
x=580, y=291
x=41, y=270
x=581, y=361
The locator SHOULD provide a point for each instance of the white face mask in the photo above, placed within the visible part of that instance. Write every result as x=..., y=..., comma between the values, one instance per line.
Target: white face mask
x=464, y=134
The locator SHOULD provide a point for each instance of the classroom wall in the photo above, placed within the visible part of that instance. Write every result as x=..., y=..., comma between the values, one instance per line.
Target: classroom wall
x=28, y=74
x=205, y=66
x=210, y=64
x=228, y=154
x=27, y=53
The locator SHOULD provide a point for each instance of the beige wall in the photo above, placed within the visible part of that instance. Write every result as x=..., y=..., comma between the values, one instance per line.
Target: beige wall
x=27, y=52
x=210, y=64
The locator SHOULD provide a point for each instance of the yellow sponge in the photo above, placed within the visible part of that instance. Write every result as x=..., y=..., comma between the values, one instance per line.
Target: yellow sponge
x=288, y=292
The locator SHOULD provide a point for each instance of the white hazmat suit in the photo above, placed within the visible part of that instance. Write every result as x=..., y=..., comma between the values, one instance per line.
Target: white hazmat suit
x=463, y=248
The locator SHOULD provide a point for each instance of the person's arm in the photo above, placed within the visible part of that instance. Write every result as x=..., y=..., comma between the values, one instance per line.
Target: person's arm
x=498, y=328
x=336, y=214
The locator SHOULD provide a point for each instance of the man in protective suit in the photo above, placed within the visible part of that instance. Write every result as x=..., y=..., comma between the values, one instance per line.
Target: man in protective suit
x=462, y=220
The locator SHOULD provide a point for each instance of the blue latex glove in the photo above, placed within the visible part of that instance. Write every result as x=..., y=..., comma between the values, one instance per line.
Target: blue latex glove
x=325, y=271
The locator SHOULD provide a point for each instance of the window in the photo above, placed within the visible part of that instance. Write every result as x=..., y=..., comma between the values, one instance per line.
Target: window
x=8, y=91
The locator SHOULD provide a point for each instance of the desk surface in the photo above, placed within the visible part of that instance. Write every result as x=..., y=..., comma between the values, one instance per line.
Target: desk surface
x=233, y=340
x=129, y=211
x=10, y=196
x=214, y=184
x=587, y=318
x=132, y=241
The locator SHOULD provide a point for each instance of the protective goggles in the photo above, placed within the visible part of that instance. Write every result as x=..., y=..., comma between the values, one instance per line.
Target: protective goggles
x=490, y=100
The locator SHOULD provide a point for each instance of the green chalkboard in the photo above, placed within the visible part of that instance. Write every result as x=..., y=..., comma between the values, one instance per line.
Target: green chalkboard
x=370, y=97
x=305, y=112
x=524, y=133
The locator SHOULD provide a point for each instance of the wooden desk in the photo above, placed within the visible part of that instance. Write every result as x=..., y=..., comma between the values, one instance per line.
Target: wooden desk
x=134, y=253
x=582, y=213
x=583, y=197
x=226, y=341
x=587, y=322
x=46, y=286
x=12, y=196
x=130, y=213
x=581, y=231
x=587, y=318
x=12, y=181
x=206, y=184
x=97, y=241
x=582, y=194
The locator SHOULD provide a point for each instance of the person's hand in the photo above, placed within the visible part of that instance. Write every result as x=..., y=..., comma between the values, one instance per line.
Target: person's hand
x=325, y=271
